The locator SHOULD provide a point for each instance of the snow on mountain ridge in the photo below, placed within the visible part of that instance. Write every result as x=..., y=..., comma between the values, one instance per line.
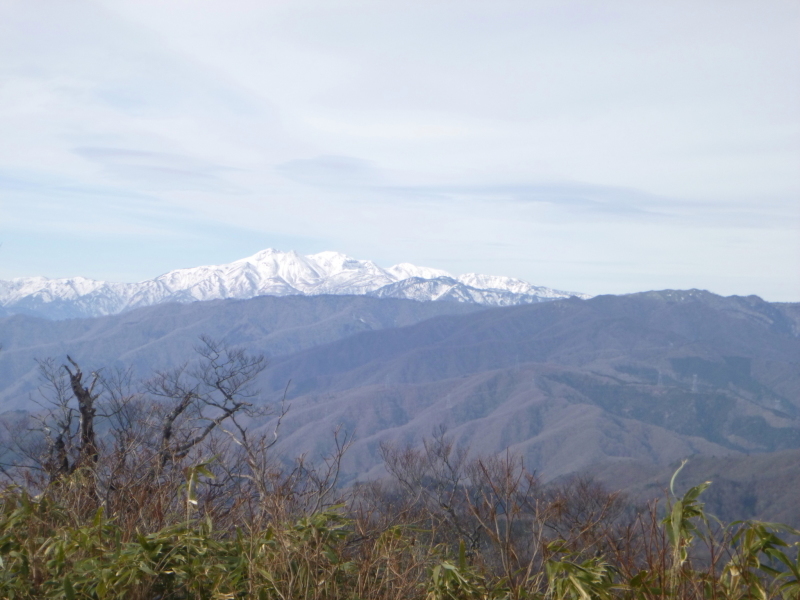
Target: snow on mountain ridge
x=268, y=272
x=406, y=270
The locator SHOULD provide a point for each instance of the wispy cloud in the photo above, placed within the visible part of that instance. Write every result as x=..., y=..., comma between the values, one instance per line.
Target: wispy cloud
x=563, y=202
x=158, y=170
x=332, y=172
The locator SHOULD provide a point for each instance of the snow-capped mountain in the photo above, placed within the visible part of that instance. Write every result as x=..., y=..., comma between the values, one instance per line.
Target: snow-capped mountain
x=267, y=273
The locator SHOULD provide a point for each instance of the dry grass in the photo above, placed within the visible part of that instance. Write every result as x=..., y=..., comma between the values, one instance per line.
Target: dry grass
x=445, y=527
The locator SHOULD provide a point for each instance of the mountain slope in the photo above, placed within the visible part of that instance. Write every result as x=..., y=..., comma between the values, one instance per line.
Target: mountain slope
x=162, y=337
x=656, y=377
x=757, y=486
x=267, y=273
x=605, y=385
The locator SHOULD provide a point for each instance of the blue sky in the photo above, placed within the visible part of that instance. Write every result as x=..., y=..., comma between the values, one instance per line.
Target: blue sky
x=603, y=147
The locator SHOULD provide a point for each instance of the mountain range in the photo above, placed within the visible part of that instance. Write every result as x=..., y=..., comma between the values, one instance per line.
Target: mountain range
x=652, y=377
x=267, y=273
x=618, y=387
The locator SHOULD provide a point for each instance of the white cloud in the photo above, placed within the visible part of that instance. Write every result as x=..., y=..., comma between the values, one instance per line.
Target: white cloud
x=421, y=131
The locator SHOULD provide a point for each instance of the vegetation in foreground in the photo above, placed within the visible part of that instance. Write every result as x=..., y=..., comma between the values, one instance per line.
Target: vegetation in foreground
x=175, y=498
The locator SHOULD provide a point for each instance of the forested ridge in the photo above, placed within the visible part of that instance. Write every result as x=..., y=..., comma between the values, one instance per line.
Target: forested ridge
x=160, y=489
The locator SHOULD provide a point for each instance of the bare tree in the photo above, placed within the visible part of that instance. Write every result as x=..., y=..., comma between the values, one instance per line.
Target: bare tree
x=219, y=387
x=498, y=509
x=86, y=396
x=54, y=440
x=436, y=478
x=144, y=431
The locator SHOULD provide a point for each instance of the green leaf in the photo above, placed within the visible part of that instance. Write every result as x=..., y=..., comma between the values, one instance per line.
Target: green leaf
x=435, y=575
x=69, y=591
x=692, y=494
x=675, y=475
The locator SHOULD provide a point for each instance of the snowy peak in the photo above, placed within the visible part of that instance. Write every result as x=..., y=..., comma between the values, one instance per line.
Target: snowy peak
x=266, y=273
x=453, y=290
x=406, y=270
x=509, y=284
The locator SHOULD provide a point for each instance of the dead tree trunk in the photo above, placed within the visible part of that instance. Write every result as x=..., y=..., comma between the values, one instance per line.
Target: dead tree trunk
x=58, y=464
x=166, y=452
x=87, y=445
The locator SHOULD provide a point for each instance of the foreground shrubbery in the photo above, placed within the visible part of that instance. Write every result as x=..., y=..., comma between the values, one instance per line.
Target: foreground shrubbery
x=177, y=499
x=386, y=545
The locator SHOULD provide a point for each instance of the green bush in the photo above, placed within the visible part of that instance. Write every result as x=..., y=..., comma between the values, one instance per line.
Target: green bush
x=51, y=550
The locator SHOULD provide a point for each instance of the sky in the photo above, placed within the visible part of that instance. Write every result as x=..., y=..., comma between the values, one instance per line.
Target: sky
x=600, y=147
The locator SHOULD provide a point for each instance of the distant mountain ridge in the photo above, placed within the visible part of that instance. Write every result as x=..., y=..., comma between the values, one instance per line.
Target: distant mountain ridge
x=620, y=387
x=650, y=377
x=267, y=273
